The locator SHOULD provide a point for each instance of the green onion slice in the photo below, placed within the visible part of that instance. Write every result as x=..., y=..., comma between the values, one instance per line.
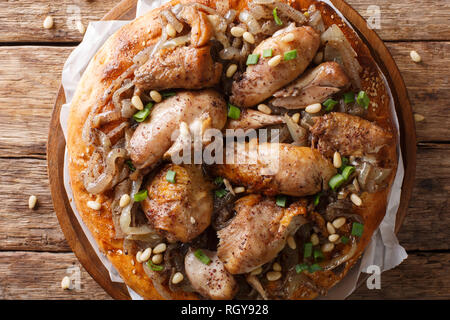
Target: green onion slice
x=276, y=18
x=267, y=53
x=170, y=176
x=218, y=181
x=318, y=255
x=301, y=267
x=363, y=99
x=252, y=59
x=168, y=94
x=307, y=251
x=220, y=193
x=329, y=104
x=233, y=112
x=281, y=201
x=349, y=97
x=345, y=162
x=130, y=165
x=336, y=181
x=357, y=229
x=140, y=196
x=315, y=267
x=140, y=116
x=290, y=55
x=200, y=255
x=317, y=199
x=347, y=172
x=344, y=239
x=154, y=267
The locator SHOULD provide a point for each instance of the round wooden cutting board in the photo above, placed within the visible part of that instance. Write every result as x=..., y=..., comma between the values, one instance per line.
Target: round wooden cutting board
x=125, y=10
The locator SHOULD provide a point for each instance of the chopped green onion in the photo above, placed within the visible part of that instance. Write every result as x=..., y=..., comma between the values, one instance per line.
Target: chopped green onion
x=233, y=112
x=345, y=162
x=168, y=94
x=130, y=165
x=140, y=116
x=281, y=201
x=220, y=193
x=317, y=199
x=329, y=104
x=290, y=55
x=276, y=18
x=318, y=255
x=357, y=229
x=307, y=251
x=252, y=59
x=140, y=196
x=267, y=53
x=154, y=267
x=200, y=255
x=315, y=267
x=344, y=239
x=363, y=99
x=301, y=267
x=347, y=172
x=336, y=181
x=218, y=181
x=170, y=176
x=349, y=97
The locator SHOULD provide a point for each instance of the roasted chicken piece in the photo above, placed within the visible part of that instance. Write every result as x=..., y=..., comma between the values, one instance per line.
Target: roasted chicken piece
x=252, y=119
x=257, y=233
x=179, y=67
x=315, y=86
x=199, y=110
x=210, y=280
x=349, y=135
x=261, y=81
x=182, y=210
x=274, y=168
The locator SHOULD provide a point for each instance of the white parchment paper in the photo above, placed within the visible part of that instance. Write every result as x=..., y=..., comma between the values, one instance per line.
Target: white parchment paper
x=384, y=249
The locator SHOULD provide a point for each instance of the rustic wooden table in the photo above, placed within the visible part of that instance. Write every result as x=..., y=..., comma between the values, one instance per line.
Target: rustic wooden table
x=34, y=255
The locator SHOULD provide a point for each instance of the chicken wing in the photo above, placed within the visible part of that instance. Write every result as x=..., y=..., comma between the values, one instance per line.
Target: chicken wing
x=152, y=138
x=257, y=233
x=349, y=135
x=272, y=168
x=180, y=210
x=314, y=87
x=261, y=81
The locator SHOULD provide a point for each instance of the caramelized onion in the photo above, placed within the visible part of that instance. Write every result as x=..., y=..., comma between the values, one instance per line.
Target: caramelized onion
x=230, y=53
x=250, y=21
x=176, y=42
x=335, y=262
x=170, y=17
x=298, y=133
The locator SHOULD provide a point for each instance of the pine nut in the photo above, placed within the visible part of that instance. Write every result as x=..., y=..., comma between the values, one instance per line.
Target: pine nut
x=146, y=254
x=327, y=247
x=415, y=56
x=124, y=200
x=296, y=117
x=239, y=190
x=356, y=200
x=160, y=248
x=48, y=22
x=276, y=267
x=291, y=243
x=275, y=61
x=171, y=32
x=330, y=228
x=418, y=117
x=356, y=184
x=339, y=222
x=288, y=37
x=138, y=256
x=94, y=205
x=137, y=102
x=177, y=278
x=65, y=283
x=313, y=108
x=273, y=275
x=248, y=37
x=337, y=160
x=318, y=58
x=157, y=258
x=32, y=201
x=237, y=32
x=256, y=271
x=231, y=70
x=80, y=27
x=333, y=237
x=314, y=239
x=193, y=220
x=264, y=109
x=156, y=96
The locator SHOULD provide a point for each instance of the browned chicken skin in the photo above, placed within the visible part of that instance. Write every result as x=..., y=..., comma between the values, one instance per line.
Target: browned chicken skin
x=257, y=233
x=261, y=81
x=179, y=67
x=349, y=135
x=252, y=119
x=180, y=210
x=315, y=86
x=277, y=168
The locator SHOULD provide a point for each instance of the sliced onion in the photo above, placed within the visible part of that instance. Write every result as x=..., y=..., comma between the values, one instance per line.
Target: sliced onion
x=158, y=282
x=260, y=12
x=254, y=282
x=105, y=117
x=223, y=39
x=170, y=17
x=127, y=85
x=316, y=22
x=230, y=53
x=230, y=15
x=298, y=133
x=161, y=40
x=252, y=24
x=177, y=42
x=285, y=9
x=335, y=262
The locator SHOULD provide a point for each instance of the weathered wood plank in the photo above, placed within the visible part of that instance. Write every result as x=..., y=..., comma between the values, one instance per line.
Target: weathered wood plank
x=421, y=276
x=32, y=275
